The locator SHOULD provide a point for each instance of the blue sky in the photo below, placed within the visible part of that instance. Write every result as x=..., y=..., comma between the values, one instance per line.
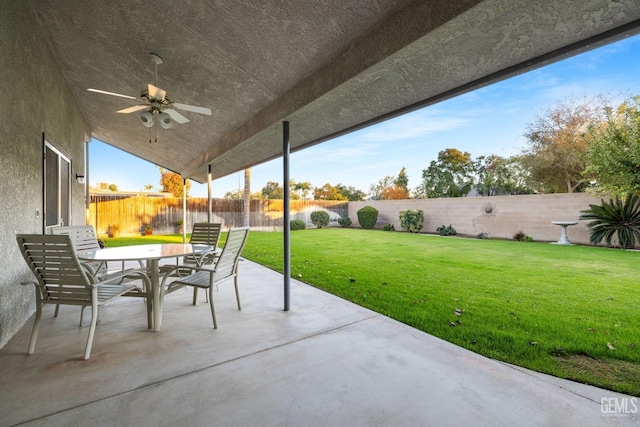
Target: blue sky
x=491, y=120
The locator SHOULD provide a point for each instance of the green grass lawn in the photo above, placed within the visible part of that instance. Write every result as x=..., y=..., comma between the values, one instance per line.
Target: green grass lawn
x=140, y=240
x=569, y=311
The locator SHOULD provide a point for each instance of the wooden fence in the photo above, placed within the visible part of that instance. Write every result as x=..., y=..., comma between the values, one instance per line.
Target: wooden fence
x=499, y=216
x=132, y=213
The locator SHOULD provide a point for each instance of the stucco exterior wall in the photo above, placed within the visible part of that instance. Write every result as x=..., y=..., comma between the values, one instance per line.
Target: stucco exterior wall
x=500, y=216
x=35, y=99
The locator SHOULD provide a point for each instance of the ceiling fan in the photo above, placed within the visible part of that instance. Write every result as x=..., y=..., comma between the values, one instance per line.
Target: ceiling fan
x=156, y=105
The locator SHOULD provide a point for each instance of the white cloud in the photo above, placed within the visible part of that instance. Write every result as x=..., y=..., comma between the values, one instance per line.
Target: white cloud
x=345, y=148
x=414, y=125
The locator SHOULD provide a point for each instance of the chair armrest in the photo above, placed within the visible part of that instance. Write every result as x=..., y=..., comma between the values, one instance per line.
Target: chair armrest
x=192, y=269
x=123, y=274
x=89, y=269
x=200, y=257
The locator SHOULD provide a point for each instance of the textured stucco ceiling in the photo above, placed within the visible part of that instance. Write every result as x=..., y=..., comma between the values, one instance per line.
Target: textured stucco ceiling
x=328, y=67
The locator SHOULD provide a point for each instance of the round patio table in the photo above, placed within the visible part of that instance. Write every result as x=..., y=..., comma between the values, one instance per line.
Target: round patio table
x=152, y=254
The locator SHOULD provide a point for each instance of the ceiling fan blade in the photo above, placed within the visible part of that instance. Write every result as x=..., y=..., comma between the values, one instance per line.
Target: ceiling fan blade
x=192, y=108
x=156, y=93
x=177, y=117
x=111, y=93
x=133, y=109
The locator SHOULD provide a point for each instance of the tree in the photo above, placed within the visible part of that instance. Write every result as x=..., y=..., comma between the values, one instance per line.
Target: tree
x=390, y=188
x=376, y=190
x=302, y=189
x=328, y=192
x=234, y=195
x=558, y=140
x=273, y=191
x=238, y=194
x=351, y=193
x=171, y=182
x=402, y=181
x=113, y=187
x=614, y=155
x=148, y=187
x=499, y=176
x=394, y=193
x=450, y=176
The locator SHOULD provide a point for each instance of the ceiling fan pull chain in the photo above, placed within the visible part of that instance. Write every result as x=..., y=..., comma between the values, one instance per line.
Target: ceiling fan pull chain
x=155, y=130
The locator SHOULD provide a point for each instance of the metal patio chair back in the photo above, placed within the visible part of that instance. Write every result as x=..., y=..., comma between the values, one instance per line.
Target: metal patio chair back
x=62, y=280
x=83, y=238
x=225, y=268
x=204, y=233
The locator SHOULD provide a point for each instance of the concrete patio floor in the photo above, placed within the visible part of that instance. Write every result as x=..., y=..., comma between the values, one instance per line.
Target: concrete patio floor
x=326, y=362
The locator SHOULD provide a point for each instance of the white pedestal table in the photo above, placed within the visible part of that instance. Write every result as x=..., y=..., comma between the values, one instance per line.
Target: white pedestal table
x=152, y=254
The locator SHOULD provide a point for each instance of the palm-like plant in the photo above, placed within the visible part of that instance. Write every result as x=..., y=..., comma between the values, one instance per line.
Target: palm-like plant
x=617, y=216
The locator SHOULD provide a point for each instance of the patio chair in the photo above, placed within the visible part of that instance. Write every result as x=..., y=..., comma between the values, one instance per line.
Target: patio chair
x=61, y=279
x=225, y=268
x=203, y=233
x=84, y=238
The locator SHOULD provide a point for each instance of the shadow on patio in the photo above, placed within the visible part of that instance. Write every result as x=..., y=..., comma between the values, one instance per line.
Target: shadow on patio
x=326, y=362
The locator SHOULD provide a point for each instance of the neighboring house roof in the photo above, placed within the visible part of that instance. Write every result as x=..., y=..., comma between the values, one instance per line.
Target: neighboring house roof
x=120, y=194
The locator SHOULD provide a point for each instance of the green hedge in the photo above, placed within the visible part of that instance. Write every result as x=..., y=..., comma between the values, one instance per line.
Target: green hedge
x=345, y=222
x=446, y=230
x=367, y=217
x=411, y=220
x=297, y=224
x=320, y=218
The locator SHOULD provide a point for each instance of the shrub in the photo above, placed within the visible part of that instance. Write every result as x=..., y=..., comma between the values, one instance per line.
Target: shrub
x=297, y=224
x=615, y=217
x=483, y=235
x=389, y=227
x=367, y=217
x=446, y=230
x=521, y=237
x=320, y=218
x=411, y=220
x=345, y=222
x=113, y=230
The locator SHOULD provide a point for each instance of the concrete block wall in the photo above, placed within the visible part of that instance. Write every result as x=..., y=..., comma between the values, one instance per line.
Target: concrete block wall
x=500, y=216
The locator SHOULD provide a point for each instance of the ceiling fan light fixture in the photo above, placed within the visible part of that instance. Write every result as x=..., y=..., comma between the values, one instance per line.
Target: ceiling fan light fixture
x=165, y=120
x=147, y=118
x=153, y=101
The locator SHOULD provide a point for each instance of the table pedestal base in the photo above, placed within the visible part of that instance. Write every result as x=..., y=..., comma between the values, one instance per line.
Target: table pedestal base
x=564, y=240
